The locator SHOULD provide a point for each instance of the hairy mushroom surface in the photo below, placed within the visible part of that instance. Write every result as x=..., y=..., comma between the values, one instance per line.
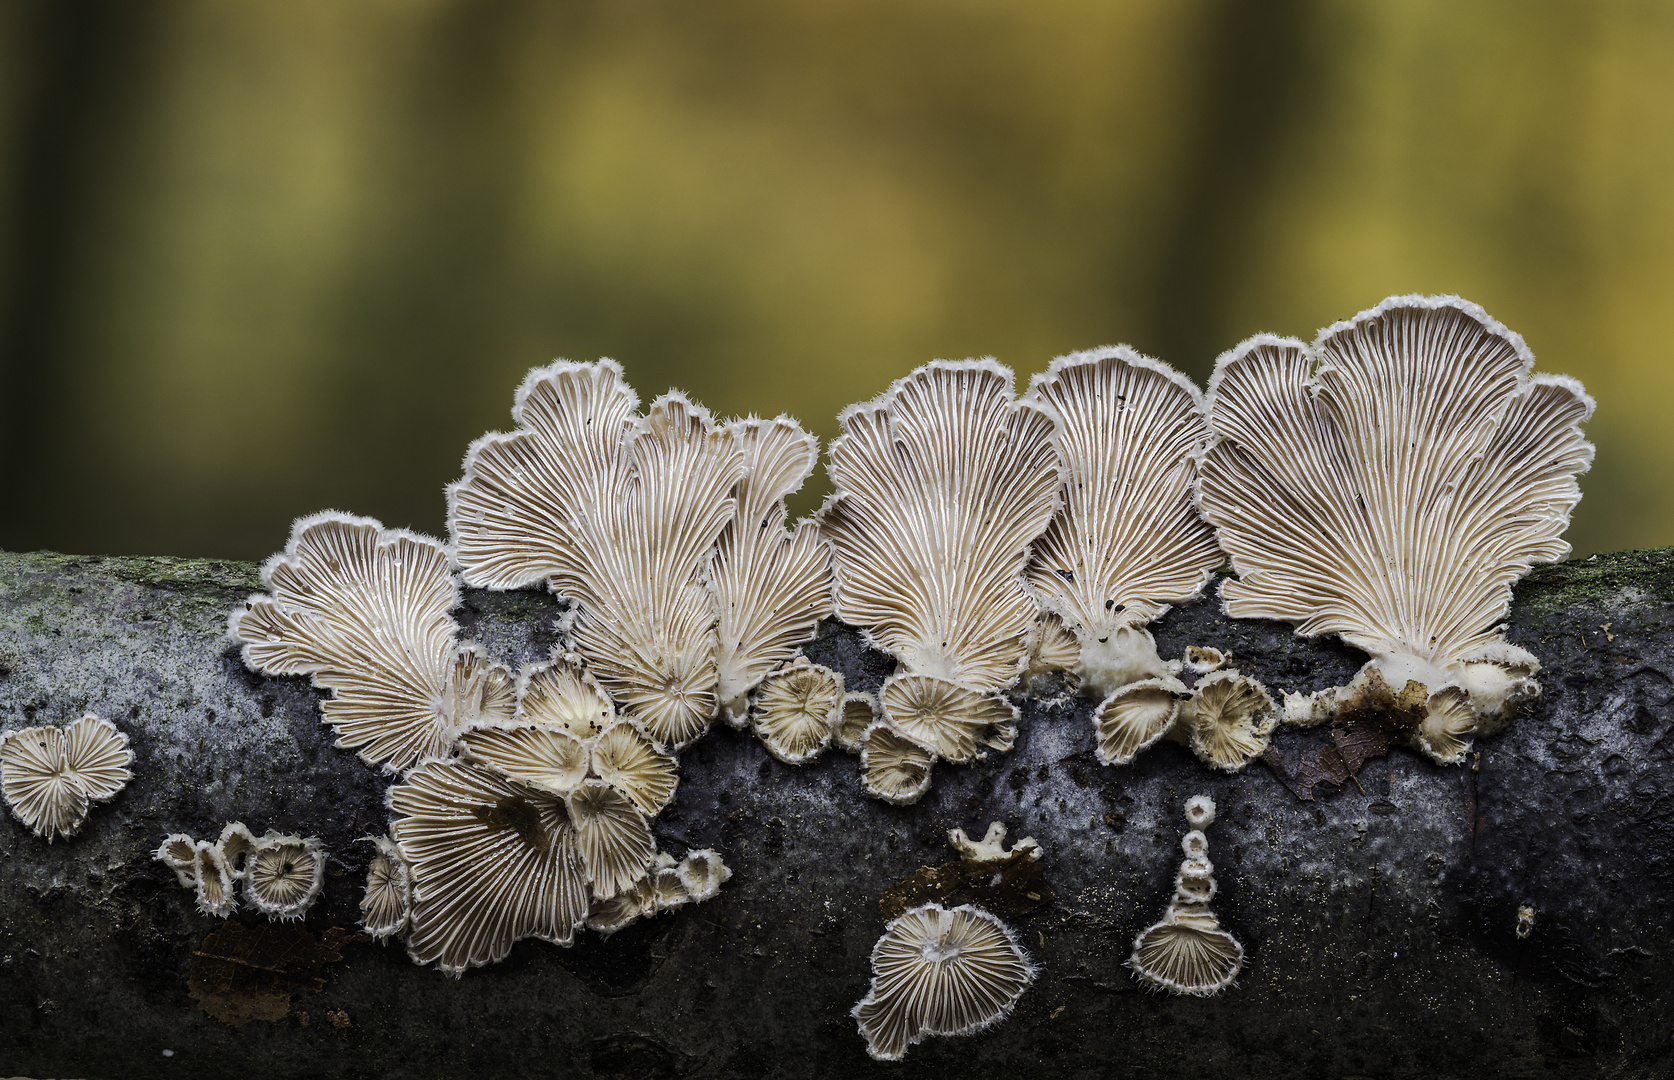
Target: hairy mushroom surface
x=612, y=835
x=284, y=875
x=857, y=712
x=1187, y=952
x=796, y=711
x=1389, y=484
x=937, y=971
x=364, y=611
x=384, y=902
x=179, y=853
x=618, y=514
x=236, y=843
x=212, y=881
x=50, y=777
x=1229, y=720
x=893, y=767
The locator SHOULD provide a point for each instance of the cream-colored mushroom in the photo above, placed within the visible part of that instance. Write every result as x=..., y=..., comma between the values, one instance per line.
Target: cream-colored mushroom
x=953, y=722
x=703, y=873
x=859, y=711
x=619, y=514
x=211, y=881
x=179, y=853
x=795, y=711
x=992, y=846
x=542, y=756
x=490, y=862
x=1229, y=720
x=562, y=693
x=612, y=835
x=50, y=777
x=363, y=611
x=893, y=767
x=284, y=875
x=1389, y=484
x=940, y=972
x=1187, y=952
x=236, y=843
x=1134, y=717
x=384, y=903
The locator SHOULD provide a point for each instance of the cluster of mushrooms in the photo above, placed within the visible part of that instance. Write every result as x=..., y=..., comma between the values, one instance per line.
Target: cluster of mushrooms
x=1387, y=484
x=282, y=875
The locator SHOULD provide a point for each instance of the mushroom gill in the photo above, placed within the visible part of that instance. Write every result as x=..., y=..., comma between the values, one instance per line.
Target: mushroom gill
x=1187, y=952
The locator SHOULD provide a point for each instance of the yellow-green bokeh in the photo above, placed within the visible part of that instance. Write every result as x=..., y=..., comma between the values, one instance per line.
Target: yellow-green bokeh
x=263, y=259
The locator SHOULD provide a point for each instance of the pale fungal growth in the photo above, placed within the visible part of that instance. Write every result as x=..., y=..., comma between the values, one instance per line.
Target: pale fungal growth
x=1053, y=650
x=612, y=836
x=563, y=693
x=1135, y=717
x=1525, y=920
x=618, y=514
x=627, y=760
x=179, y=853
x=1187, y=952
x=489, y=861
x=384, y=903
x=236, y=844
x=547, y=758
x=1126, y=541
x=893, y=767
x=703, y=873
x=666, y=886
x=772, y=586
x=940, y=972
x=284, y=875
x=951, y=721
x=992, y=846
x=796, y=711
x=858, y=711
x=1389, y=485
x=50, y=777
x=941, y=486
x=363, y=610
x=1229, y=720
x=1202, y=659
x=211, y=881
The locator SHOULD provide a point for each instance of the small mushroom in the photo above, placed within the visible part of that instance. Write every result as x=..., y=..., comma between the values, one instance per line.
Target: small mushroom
x=1229, y=719
x=612, y=836
x=179, y=853
x=212, y=881
x=50, y=777
x=1134, y=717
x=992, y=846
x=1202, y=659
x=1187, y=952
x=236, y=844
x=703, y=873
x=540, y=755
x=940, y=972
x=284, y=875
x=384, y=903
x=628, y=761
x=563, y=693
x=1053, y=651
x=893, y=767
x=951, y=721
x=859, y=711
x=795, y=711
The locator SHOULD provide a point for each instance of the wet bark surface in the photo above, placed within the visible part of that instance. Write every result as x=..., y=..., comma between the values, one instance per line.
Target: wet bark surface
x=1378, y=918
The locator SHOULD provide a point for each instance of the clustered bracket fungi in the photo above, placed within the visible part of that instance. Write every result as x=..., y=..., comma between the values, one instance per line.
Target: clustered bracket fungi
x=1387, y=484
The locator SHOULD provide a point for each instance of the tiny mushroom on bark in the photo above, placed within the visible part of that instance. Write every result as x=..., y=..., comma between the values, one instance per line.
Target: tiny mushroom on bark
x=940, y=972
x=796, y=710
x=893, y=767
x=236, y=844
x=858, y=711
x=992, y=846
x=1187, y=952
x=50, y=777
x=212, y=881
x=1389, y=484
x=283, y=875
x=179, y=853
x=384, y=903
x=941, y=485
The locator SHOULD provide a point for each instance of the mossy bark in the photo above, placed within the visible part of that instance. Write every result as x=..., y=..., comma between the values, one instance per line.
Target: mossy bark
x=1379, y=919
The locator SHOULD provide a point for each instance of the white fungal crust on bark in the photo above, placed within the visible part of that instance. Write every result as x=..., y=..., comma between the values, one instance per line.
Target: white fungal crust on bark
x=937, y=971
x=951, y=721
x=1390, y=484
x=364, y=611
x=796, y=710
x=51, y=777
x=772, y=586
x=1127, y=540
x=490, y=862
x=618, y=514
x=1187, y=952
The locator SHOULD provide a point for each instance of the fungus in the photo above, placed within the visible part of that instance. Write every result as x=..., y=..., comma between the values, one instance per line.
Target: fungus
x=564, y=693
x=1389, y=485
x=363, y=610
x=179, y=853
x=937, y=971
x=858, y=711
x=628, y=761
x=1229, y=720
x=284, y=875
x=384, y=904
x=50, y=777
x=1525, y=920
x=1126, y=541
x=1052, y=650
x=992, y=847
x=1202, y=659
x=617, y=514
x=616, y=912
x=893, y=767
x=772, y=586
x=611, y=834
x=949, y=720
x=941, y=485
x=703, y=873
x=1134, y=717
x=795, y=711
x=212, y=881
x=544, y=757
x=489, y=861
x=1187, y=952
x=236, y=844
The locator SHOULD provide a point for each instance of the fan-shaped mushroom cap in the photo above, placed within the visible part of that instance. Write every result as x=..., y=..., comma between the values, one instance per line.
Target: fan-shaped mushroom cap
x=490, y=862
x=1497, y=678
x=631, y=763
x=893, y=767
x=795, y=711
x=772, y=586
x=942, y=483
x=612, y=835
x=212, y=881
x=949, y=720
x=363, y=610
x=1446, y=729
x=1127, y=541
x=703, y=873
x=992, y=846
x=564, y=694
x=940, y=972
x=1135, y=717
x=1187, y=952
x=384, y=903
x=179, y=853
x=1230, y=718
x=284, y=875
x=236, y=844
x=1392, y=482
x=857, y=712
x=617, y=912
x=50, y=776
x=1052, y=649
x=540, y=755
x=1202, y=659
x=617, y=514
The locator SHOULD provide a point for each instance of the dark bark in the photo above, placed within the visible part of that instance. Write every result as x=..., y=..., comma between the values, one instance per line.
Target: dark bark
x=1378, y=918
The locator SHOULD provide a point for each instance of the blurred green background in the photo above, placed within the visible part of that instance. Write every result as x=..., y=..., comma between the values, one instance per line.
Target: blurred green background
x=259, y=259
